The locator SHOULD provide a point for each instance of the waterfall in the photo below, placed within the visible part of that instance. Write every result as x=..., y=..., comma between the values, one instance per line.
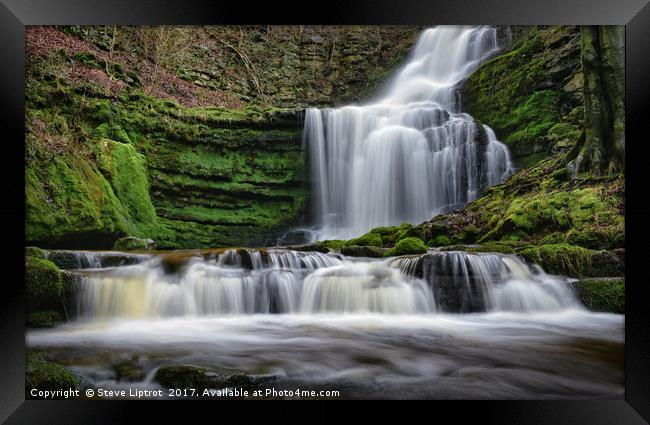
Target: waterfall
x=469, y=282
x=411, y=153
x=248, y=281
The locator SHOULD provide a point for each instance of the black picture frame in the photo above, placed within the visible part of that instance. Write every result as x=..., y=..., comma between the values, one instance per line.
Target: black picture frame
x=634, y=14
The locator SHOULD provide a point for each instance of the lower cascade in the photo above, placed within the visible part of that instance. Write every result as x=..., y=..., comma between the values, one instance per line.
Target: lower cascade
x=283, y=281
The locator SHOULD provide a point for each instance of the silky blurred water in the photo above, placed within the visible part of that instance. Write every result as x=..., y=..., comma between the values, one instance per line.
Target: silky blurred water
x=572, y=354
x=438, y=325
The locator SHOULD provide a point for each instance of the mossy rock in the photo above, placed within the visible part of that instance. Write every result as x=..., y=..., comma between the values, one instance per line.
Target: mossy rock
x=131, y=243
x=470, y=234
x=334, y=244
x=369, y=239
x=32, y=251
x=561, y=259
x=435, y=229
x=407, y=246
x=608, y=263
x=411, y=232
x=440, y=240
x=44, y=285
x=363, y=251
x=44, y=375
x=129, y=371
x=44, y=319
x=606, y=295
x=190, y=376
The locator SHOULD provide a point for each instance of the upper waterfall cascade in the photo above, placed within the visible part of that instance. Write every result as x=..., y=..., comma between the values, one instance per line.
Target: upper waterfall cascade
x=411, y=153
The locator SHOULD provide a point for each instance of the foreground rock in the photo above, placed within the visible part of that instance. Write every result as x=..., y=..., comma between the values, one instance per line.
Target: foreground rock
x=189, y=376
x=603, y=294
x=132, y=243
x=44, y=375
x=43, y=285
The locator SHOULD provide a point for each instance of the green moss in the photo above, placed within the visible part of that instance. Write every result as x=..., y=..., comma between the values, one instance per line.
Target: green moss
x=32, y=251
x=603, y=294
x=369, y=239
x=126, y=170
x=521, y=93
x=440, y=240
x=587, y=217
x=562, y=259
x=492, y=247
x=334, y=245
x=411, y=232
x=469, y=234
x=363, y=251
x=43, y=319
x=152, y=168
x=407, y=246
x=563, y=135
x=43, y=375
x=529, y=122
x=44, y=286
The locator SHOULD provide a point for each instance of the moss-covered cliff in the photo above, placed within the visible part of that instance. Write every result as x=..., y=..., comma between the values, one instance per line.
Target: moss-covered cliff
x=559, y=212
x=531, y=94
x=189, y=136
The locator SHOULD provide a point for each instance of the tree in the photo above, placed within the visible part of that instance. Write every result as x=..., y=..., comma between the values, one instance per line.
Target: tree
x=603, y=67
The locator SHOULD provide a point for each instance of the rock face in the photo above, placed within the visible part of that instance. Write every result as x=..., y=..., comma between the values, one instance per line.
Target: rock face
x=531, y=93
x=191, y=151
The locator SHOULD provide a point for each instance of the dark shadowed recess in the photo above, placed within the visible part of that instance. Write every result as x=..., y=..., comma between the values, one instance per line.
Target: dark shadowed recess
x=14, y=14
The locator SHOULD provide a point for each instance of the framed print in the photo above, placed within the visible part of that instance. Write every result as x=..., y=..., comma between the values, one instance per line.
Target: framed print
x=423, y=201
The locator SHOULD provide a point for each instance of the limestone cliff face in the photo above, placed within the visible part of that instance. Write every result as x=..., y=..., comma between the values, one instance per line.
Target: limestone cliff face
x=189, y=136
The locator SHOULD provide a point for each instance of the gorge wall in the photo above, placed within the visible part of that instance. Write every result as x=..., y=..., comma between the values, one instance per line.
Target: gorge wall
x=188, y=136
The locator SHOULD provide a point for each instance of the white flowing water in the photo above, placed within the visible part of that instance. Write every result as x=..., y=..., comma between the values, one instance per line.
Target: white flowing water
x=437, y=325
x=282, y=281
x=411, y=153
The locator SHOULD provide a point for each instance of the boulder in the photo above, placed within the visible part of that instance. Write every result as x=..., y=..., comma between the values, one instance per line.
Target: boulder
x=363, y=251
x=43, y=285
x=407, y=246
x=44, y=375
x=602, y=294
x=131, y=243
x=190, y=376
